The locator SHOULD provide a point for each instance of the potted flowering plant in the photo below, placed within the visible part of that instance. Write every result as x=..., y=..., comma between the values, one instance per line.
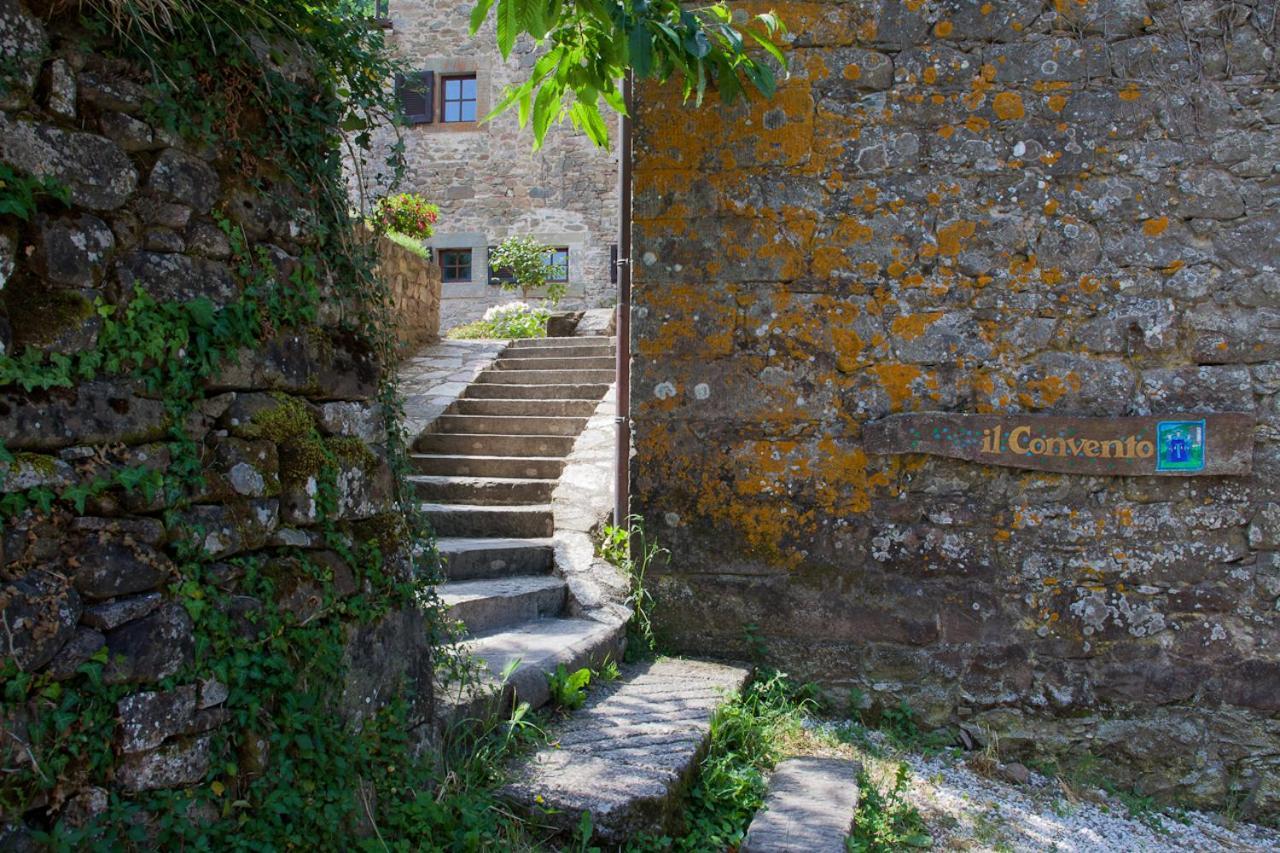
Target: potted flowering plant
x=407, y=214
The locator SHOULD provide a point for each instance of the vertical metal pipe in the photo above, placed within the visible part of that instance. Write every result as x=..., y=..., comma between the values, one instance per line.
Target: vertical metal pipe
x=622, y=468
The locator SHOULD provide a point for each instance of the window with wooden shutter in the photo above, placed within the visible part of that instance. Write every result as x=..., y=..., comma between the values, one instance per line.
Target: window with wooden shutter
x=416, y=94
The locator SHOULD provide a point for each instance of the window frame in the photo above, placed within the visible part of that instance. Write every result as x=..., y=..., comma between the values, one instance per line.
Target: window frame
x=423, y=83
x=462, y=101
x=551, y=264
x=445, y=267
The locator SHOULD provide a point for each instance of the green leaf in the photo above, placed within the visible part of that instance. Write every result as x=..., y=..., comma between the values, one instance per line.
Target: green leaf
x=508, y=26
x=479, y=13
x=772, y=48
x=545, y=108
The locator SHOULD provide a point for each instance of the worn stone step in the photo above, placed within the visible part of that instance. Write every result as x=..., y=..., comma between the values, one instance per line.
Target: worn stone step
x=545, y=377
x=534, y=649
x=525, y=408
x=508, y=425
x=462, y=444
x=569, y=348
x=809, y=807
x=535, y=343
x=475, y=559
x=519, y=522
x=487, y=605
x=628, y=756
x=563, y=391
x=556, y=361
x=445, y=465
x=488, y=491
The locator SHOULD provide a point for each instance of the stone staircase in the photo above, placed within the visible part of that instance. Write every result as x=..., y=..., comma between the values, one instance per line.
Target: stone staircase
x=485, y=471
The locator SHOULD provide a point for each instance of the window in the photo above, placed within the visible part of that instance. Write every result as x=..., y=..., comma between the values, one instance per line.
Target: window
x=558, y=265
x=458, y=98
x=498, y=277
x=415, y=93
x=455, y=265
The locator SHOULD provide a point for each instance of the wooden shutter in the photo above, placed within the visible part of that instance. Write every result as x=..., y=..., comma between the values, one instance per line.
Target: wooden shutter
x=613, y=264
x=416, y=94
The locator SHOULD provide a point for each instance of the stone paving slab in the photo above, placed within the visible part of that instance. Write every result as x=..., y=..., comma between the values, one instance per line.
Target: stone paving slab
x=809, y=807
x=629, y=753
x=438, y=374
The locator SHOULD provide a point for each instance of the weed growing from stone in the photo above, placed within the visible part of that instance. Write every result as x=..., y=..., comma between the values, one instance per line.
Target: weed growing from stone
x=568, y=689
x=632, y=551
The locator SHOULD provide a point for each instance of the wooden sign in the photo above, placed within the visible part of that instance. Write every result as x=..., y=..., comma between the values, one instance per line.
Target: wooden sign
x=1182, y=445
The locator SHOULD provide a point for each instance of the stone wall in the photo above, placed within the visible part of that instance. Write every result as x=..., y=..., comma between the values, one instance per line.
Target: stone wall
x=103, y=573
x=415, y=294
x=1011, y=206
x=488, y=182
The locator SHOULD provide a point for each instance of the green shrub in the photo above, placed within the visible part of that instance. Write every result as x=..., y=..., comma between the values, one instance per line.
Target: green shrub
x=513, y=320
x=527, y=262
x=410, y=243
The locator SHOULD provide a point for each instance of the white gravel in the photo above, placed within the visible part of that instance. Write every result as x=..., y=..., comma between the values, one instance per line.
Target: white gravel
x=967, y=810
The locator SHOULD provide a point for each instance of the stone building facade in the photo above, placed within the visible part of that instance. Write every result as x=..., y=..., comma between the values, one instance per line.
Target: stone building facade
x=488, y=182
x=1011, y=207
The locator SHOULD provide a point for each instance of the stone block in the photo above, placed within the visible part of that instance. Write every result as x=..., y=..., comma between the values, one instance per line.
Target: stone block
x=174, y=766
x=24, y=44
x=79, y=649
x=61, y=89
x=230, y=528
x=177, y=278
x=97, y=412
x=151, y=648
x=114, y=613
x=40, y=613
x=72, y=251
x=184, y=179
x=106, y=567
x=333, y=367
x=127, y=132
x=99, y=175
x=1264, y=529
x=148, y=719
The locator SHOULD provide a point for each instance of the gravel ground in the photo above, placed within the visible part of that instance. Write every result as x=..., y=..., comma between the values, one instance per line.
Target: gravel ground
x=968, y=810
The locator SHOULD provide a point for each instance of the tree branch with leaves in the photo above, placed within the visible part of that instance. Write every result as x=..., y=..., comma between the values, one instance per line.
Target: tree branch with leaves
x=589, y=45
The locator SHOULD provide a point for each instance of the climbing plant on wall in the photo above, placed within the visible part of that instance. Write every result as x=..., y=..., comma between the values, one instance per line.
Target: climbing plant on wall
x=267, y=88
x=588, y=46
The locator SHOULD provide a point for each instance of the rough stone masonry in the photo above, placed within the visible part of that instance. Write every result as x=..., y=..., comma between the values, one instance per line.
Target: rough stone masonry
x=101, y=579
x=997, y=206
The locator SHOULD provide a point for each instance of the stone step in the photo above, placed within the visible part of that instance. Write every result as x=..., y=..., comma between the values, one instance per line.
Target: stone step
x=517, y=522
x=630, y=753
x=461, y=444
x=545, y=377
x=809, y=806
x=555, y=361
x=535, y=343
x=533, y=649
x=568, y=349
x=525, y=408
x=487, y=605
x=508, y=425
x=488, y=491
x=570, y=391
x=443, y=465
x=476, y=559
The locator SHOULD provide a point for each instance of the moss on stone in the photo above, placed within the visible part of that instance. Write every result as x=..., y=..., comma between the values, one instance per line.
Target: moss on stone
x=352, y=453
x=287, y=422
x=39, y=314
